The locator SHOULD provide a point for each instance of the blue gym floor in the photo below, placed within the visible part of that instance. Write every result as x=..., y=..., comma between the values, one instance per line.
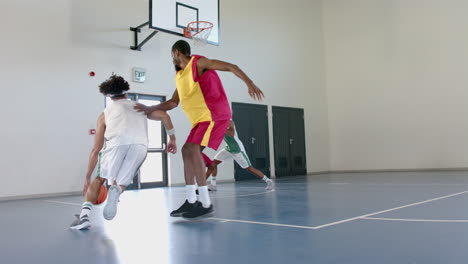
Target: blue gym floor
x=412, y=217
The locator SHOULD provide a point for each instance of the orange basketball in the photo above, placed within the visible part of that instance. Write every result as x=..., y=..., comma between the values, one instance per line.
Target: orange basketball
x=102, y=195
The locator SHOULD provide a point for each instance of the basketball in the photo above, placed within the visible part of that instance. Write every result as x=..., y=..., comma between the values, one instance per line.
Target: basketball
x=102, y=195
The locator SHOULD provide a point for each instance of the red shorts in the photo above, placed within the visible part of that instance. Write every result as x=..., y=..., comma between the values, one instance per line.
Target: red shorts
x=208, y=134
x=207, y=160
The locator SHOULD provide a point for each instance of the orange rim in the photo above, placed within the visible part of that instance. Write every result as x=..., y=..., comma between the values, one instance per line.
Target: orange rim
x=188, y=33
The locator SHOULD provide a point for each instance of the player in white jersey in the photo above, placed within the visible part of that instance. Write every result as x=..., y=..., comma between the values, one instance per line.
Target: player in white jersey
x=235, y=150
x=120, y=147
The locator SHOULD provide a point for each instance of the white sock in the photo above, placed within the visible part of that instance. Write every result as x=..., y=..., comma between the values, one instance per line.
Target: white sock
x=86, y=209
x=265, y=178
x=213, y=180
x=190, y=193
x=204, y=196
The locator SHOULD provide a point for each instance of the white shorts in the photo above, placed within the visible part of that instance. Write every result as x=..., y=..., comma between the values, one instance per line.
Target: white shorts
x=121, y=163
x=241, y=158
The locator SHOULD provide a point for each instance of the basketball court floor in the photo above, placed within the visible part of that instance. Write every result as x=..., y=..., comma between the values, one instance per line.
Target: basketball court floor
x=401, y=217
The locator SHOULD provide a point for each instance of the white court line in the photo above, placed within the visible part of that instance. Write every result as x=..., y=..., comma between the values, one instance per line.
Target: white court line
x=58, y=202
x=415, y=220
x=222, y=220
x=388, y=210
x=321, y=226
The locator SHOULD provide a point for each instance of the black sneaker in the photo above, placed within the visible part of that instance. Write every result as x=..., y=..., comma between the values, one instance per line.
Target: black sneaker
x=198, y=211
x=184, y=208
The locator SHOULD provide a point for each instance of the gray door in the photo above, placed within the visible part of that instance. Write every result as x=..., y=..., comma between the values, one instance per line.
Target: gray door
x=289, y=141
x=252, y=127
x=297, y=142
x=281, y=142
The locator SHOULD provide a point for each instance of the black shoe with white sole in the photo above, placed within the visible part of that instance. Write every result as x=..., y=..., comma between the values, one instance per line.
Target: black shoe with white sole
x=186, y=207
x=198, y=211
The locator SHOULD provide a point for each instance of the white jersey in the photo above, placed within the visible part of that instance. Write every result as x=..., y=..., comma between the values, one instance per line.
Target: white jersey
x=124, y=125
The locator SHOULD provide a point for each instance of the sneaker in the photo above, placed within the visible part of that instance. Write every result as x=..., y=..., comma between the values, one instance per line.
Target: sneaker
x=77, y=220
x=183, y=209
x=270, y=185
x=212, y=188
x=80, y=224
x=110, y=210
x=198, y=211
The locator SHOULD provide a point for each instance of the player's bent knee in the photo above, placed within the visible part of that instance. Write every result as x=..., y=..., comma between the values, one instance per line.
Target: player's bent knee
x=189, y=150
x=185, y=150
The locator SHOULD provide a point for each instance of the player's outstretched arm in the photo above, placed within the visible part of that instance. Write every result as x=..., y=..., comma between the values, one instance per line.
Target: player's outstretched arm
x=204, y=64
x=165, y=106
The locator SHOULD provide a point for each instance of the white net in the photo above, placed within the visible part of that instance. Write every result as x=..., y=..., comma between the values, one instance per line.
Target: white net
x=199, y=31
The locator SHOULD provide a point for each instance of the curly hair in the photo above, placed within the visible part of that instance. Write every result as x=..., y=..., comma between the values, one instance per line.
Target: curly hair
x=182, y=46
x=114, y=87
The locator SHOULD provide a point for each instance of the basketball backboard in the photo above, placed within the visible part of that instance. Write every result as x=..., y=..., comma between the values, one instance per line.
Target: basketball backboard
x=172, y=16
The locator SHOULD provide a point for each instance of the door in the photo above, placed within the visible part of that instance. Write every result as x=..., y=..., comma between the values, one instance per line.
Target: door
x=153, y=172
x=252, y=128
x=289, y=141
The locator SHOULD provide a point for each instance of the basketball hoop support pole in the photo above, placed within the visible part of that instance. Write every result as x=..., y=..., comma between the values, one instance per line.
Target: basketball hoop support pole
x=137, y=30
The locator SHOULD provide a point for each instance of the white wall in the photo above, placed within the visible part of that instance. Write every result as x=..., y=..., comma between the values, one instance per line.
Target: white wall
x=49, y=47
x=397, y=83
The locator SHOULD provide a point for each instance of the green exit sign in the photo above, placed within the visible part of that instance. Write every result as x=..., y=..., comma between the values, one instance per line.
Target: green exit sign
x=139, y=75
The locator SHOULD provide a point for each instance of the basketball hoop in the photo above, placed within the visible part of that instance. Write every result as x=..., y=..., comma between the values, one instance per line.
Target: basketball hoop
x=199, y=31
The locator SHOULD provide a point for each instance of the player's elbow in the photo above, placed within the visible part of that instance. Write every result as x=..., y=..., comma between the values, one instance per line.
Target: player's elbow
x=233, y=68
x=158, y=115
x=163, y=115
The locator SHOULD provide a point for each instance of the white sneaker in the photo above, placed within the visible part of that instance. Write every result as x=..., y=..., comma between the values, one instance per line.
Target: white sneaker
x=80, y=224
x=212, y=188
x=112, y=200
x=270, y=185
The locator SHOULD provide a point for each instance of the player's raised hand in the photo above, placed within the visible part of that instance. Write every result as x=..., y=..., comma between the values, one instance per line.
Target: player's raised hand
x=255, y=92
x=142, y=108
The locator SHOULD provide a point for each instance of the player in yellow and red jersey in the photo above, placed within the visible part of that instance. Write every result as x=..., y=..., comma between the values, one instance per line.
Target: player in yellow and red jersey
x=200, y=92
